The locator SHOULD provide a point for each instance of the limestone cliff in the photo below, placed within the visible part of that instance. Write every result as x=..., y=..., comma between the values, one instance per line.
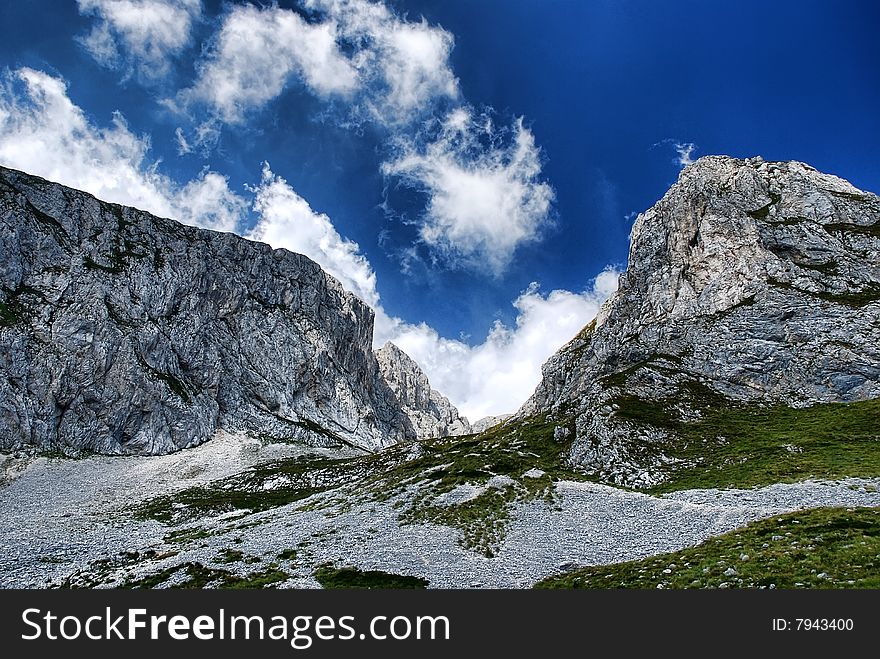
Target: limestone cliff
x=121, y=332
x=749, y=281
x=431, y=413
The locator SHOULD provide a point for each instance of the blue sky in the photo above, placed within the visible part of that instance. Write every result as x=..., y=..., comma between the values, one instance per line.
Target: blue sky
x=468, y=167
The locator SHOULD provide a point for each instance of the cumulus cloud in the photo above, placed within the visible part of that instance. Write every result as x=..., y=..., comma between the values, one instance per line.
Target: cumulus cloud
x=493, y=377
x=500, y=373
x=483, y=186
x=44, y=133
x=139, y=35
x=258, y=51
x=485, y=195
x=384, y=65
x=287, y=221
x=404, y=65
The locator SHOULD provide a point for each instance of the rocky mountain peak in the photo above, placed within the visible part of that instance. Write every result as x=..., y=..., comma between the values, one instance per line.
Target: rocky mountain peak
x=753, y=280
x=431, y=413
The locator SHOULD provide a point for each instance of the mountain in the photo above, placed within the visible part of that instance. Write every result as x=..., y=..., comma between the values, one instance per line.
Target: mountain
x=487, y=422
x=750, y=284
x=430, y=412
x=121, y=332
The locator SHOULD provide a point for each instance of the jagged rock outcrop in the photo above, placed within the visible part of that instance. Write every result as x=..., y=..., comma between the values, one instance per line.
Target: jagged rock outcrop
x=752, y=281
x=487, y=422
x=430, y=413
x=121, y=332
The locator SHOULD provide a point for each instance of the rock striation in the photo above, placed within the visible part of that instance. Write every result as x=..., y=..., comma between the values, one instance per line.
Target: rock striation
x=121, y=332
x=749, y=281
x=430, y=412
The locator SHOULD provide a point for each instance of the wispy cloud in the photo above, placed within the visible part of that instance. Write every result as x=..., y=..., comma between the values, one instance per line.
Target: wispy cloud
x=139, y=36
x=684, y=150
x=485, y=195
x=43, y=132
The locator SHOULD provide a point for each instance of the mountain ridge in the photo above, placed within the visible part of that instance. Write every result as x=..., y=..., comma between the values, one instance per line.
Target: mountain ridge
x=128, y=333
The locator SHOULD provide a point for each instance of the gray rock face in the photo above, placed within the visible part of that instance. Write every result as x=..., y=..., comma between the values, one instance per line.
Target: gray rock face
x=121, y=332
x=430, y=413
x=755, y=280
x=488, y=422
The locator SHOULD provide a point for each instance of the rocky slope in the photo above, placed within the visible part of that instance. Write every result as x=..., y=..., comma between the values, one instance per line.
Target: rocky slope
x=481, y=425
x=121, y=332
x=430, y=412
x=749, y=283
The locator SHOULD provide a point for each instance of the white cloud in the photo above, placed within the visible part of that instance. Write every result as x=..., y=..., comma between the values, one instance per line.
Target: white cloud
x=44, y=133
x=287, y=220
x=404, y=64
x=255, y=54
x=140, y=35
x=485, y=196
x=685, y=152
x=484, y=193
x=393, y=70
x=183, y=146
x=499, y=374
x=493, y=377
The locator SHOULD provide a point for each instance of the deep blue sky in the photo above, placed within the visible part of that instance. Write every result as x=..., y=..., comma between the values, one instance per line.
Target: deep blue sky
x=600, y=83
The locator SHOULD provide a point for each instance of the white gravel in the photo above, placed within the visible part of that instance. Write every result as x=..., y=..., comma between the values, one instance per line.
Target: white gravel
x=59, y=515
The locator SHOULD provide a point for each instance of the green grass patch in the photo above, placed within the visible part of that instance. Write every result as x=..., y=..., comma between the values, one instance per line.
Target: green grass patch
x=764, y=212
x=869, y=294
x=725, y=444
x=349, y=577
x=444, y=464
x=482, y=520
x=818, y=548
x=258, y=488
x=508, y=450
x=579, y=344
x=10, y=314
x=180, y=388
x=187, y=535
x=200, y=576
x=828, y=268
x=230, y=556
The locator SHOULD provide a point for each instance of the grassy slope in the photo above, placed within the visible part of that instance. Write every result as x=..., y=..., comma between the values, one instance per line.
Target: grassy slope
x=819, y=548
x=749, y=445
x=440, y=466
x=723, y=446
